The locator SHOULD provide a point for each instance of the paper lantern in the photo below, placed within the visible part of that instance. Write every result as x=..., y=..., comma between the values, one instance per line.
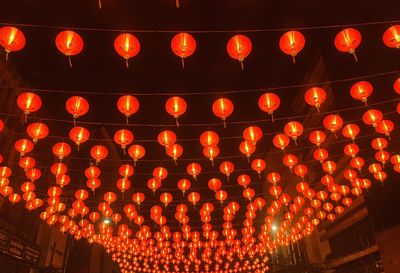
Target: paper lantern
x=385, y=126
x=136, y=152
x=193, y=169
x=281, y=141
x=183, y=45
x=351, y=131
x=160, y=173
x=396, y=86
x=320, y=155
x=252, y=134
x=128, y=105
x=79, y=135
x=58, y=168
x=11, y=39
x=227, y=168
x=127, y=46
x=290, y=161
x=175, y=151
x=317, y=137
x=244, y=180
x=239, y=47
x=29, y=103
x=221, y=196
x=372, y=117
x=184, y=185
x=348, y=40
x=123, y=184
x=333, y=123
x=259, y=166
x=63, y=180
x=223, y=108
x=269, y=102
x=123, y=138
x=166, y=198
x=69, y=43
x=361, y=91
x=176, y=106
x=154, y=184
x=211, y=152
x=194, y=198
x=166, y=138
x=61, y=150
x=291, y=43
x=391, y=37
x=92, y=172
x=98, y=153
x=209, y=139
x=315, y=96
x=93, y=183
x=27, y=163
x=247, y=148
x=351, y=150
x=37, y=131
x=293, y=129
x=23, y=146
x=126, y=170
x=77, y=107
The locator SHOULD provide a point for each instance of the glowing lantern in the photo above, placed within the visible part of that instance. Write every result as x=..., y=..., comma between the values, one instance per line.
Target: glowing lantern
x=293, y=129
x=291, y=43
x=160, y=173
x=320, y=155
x=175, y=151
x=69, y=43
x=351, y=131
x=290, y=161
x=214, y=184
x=92, y=172
x=93, y=183
x=194, y=198
x=136, y=152
x=166, y=138
x=269, y=102
x=301, y=170
x=259, y=166
x=243, y=180
x=239, y=47
x=357, y=163
x=98, y=153
x=348, y=40
x=28, y=102
x=1, y=125
x=380, y=176
x=184, y=185
x=6, y=191
x=374, y=168
x=329, y=167
x=221, y=196
x=128, y=105
x=27, y=163
x=253, y=134
x=183, y=45
x=23, y=146
x=391, y=37
x=248, y=193
x=63, y=180
x=5, y=172
x=372, y=117
x=193, y=169
x=79, y=135
x=33, y=174
x=317, y=137
x=273, y=178
x=166, y=198
x=61, y=150
x=382, y=156
x=37, y=131
x=58, y=169
x=361, y=91
x=227, y=168
x=123, y=184
x=223, y=108
x=209, y=139
x=315, y=96
x=176, y=107
x=126, y=170
x=396, y=86
x=351, y=150
x=14, y=198
x=11, y=39
x=77, y=107
x=395, y=159
x=110, y=197
x=385, y=127
x=247, y=148
x=26, y=187
x=123, y=137
x=281, y=141
x=333, y=123
x=379, y=143
x=211, y=153
x=127, y=46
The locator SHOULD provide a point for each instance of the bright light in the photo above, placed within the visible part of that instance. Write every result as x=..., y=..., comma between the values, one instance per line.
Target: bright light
x=106, y=221
x=274, y=227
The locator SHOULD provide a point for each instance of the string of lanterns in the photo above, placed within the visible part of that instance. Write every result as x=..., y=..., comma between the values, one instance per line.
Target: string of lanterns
x=183, y=45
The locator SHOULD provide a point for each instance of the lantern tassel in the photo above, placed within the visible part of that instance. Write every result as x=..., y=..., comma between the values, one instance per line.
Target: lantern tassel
x=177, y=4
x=212, y=162
x=224, y=123
x=259, y=175
x=294, y=58
x=355, y=56
x=74, y=121
x=248, y=158
x=242, y=64
x=272, y=117
x=70, y=62
x=100, y=5
x=26, y=118
x=134, y=162
x=126, y=63
x=176, y=163
x=177, y=122
x=183, y=63
x=7, y=52
x=127, y=119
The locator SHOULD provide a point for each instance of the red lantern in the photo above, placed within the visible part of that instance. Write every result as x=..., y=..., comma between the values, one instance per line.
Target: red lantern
x=29, y=103
x=248, y=193
x=175, y=151
x=11, y=39
x=239, y=47
x=27, y=163
x=259, y=166
x=166, y=138
x=69, y=43
x=123, y=137
x=26, y=187
x=1, y=125
x=123, y=184
x=63, y=180
x=253, y=134
x=211, y=153
x=329, y=167
x=301, y=170
x=221, y=196
x=382, y=156
x=61, y=150
x=127, y=46
x=184, y=185
x=361, y=91
x=110, y=197
x=194, y=198
x=209, y=139
x=23, y=146
x=281, y=141
x=273, y=177
x=385, y=126
x=391, y=37
x=128, y=105
x=396, y=86
x=223, y=108
x=79, y=135
x=176, y=106
x=333, y=123
x=77, y=107
x=244, y=180
x=268, y=103
x=126, y=170
x=166, y=198
x=98, y=153
x=136, y=152
x=315, y=96
x=357, y=163
x=291, y=43
x=320, y=155
x=317, y=138
x=160, y=173
x=293, y=129
x=92, y=172
x=351, y=150
x=290, y=161
x=227, y=168
x=37, y=131
x=351, y=131
x=348, y=41
x=14, y=198
x=372, y=117
x=193, y=169
x=247, y=148
x=183, y=45
x=5, y=172
x=93, y=183
x=58, y=169
x=154, y=184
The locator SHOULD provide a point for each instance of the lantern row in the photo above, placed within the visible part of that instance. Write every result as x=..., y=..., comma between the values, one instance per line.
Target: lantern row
x=183, y=44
